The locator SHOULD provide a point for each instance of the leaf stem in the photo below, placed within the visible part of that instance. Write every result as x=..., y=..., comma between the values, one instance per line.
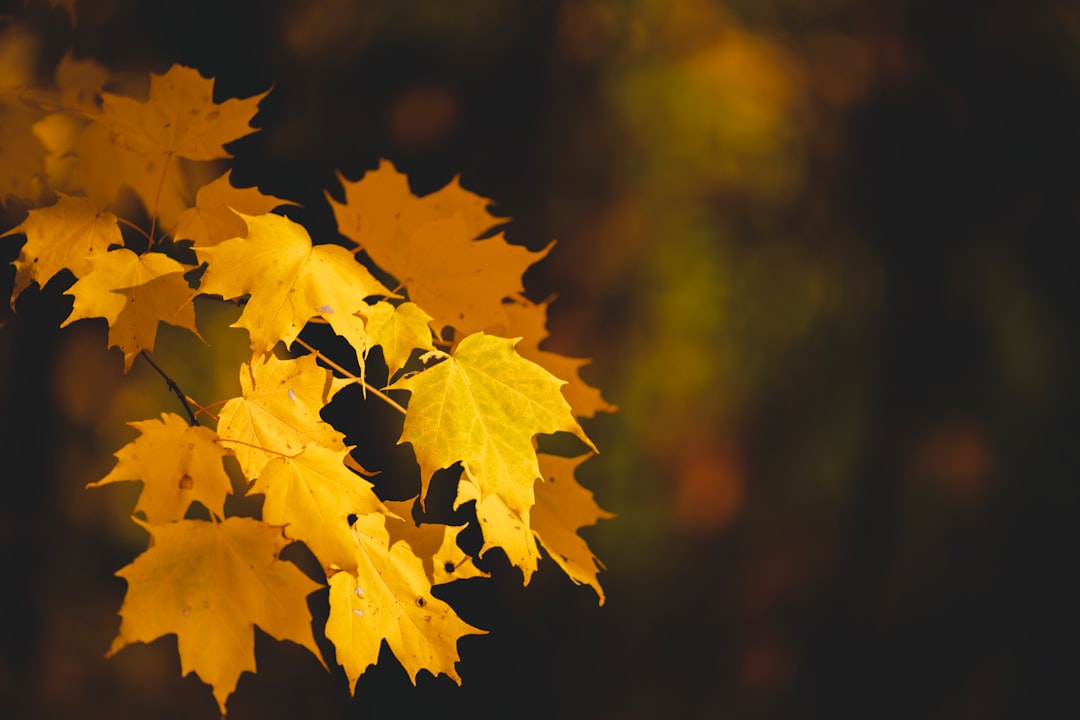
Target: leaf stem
x=192, y=420
x=136, y=228
x=157, y=197
x=367, y=386
x=260, y=448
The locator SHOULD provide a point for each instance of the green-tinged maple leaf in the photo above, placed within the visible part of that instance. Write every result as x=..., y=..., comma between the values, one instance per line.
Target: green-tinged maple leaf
x=68, y=234
x=214, y=218
x=137, y=143
x=312, y=494
x=389, y=598
x=210, y=584
x=177, y=464
x=429, y=245
x=399, y=330
x=481, y=407
x=435, y=544
x=277, y=413
x=133, y=293
x=289, y=281
x=528, y=320
x=562, y=507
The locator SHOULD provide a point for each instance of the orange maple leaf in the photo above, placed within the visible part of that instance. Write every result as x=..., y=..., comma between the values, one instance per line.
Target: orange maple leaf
x=288, y=279
x=210, y=583
x=389, y=598
x=529, y=321
x=177, y=464
x=277, y=413
x=133, y=293
x=562, y=507
x=137, y=143
x=215, y=218
x=431, y=246
x=67, y=234
x=312, y=494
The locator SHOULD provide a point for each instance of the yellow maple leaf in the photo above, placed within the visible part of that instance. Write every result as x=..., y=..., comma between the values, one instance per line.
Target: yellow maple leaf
x=313, y=494
x=529, y=321
x=133, y=293
x=277, y=413
x=210, y=583
x=214, y=218
x=289, y=280
x=78, y=89
x=389, y=598
x=177, y=464
x=562, y=507
x=435, y=544
x=137, y=143
x=430, y=246
x=67, y=234
x=502, y=526
x=180, y=117
x=481, y=407
x=398, y=330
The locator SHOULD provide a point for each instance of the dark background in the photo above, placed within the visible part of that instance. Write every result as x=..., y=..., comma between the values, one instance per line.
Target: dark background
x=823, y=256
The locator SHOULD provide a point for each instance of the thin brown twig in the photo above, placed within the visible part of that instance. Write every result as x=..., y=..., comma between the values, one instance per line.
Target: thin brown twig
x=192, y=420
x=367, y=386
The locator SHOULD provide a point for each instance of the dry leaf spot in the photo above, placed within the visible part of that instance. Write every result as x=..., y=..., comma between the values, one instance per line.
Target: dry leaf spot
x=186, y=483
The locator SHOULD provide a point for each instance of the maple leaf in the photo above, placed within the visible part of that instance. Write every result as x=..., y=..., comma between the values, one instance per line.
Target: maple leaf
x=210, y=583
x=214, y=218
x=435, y=544
x=22, y=156
x=78, y=89
x=380, y=210
x=289, y=280
x=481, y=407
x=399, y=330
x=312, y=494
x=562, y=507
x=277, y=413
x=430, y=245
x=502, y=526
x=133, y=293
x=389, y=598
x=136, y=142
x=529, y=321
x=68, y=234
x=177, y=464
x=79, y=82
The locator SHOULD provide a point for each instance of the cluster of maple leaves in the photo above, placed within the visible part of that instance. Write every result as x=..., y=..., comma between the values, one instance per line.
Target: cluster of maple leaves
x=460, y=342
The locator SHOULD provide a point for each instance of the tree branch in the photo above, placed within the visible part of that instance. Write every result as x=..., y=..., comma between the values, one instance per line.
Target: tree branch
x=192, y=420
